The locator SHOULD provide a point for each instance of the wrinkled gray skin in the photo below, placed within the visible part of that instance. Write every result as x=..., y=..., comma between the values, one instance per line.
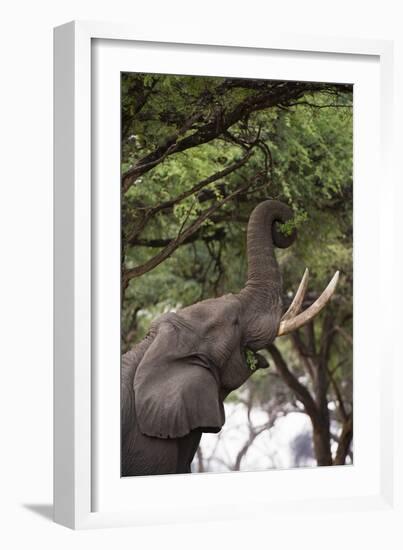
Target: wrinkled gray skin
x=174, y=381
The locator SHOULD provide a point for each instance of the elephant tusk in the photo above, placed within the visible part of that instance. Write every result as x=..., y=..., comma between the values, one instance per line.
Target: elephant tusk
x=288, y=325
x=298, y=298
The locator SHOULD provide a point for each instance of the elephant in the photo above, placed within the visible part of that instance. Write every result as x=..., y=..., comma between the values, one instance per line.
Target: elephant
x=174, y=382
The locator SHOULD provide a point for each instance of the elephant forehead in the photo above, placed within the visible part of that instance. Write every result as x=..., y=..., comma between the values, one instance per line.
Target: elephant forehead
x=210, y=327
x=207, y=314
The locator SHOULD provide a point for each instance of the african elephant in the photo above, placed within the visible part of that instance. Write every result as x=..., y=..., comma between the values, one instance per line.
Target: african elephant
x=175, y=380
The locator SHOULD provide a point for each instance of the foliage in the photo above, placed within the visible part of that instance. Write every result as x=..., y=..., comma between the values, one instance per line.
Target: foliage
x=251, y=360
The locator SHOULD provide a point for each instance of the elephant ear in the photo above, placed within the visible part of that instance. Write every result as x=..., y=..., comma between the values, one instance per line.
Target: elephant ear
x=176, y=389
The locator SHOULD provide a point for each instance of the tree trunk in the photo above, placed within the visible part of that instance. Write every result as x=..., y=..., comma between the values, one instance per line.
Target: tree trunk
x=345, y=441
x=321, y=443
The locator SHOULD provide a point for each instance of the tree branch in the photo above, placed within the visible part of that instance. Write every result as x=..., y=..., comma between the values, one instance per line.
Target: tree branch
x=267, y=96
x=253, y=434
x=339, y=398
x=345, y=441
x=293, y=383
x=303, y=352
x=218, y=235
x=319, y=106
x=149, y=212
x=141, y=95
x=210, y=179
x=175, y=243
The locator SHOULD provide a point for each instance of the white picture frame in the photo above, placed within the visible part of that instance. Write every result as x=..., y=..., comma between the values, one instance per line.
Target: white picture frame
x=87, y=491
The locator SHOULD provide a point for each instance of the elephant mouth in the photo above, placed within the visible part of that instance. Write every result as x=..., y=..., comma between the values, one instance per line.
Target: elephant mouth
x=254, y=361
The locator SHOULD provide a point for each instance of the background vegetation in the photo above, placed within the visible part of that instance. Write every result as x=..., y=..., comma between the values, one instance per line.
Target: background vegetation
x=198, y=154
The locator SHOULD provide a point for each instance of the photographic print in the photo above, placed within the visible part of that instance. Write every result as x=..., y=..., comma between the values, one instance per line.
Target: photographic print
x=236, y=274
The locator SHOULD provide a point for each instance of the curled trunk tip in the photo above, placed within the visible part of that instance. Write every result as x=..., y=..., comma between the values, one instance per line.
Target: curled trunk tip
x=263, y=235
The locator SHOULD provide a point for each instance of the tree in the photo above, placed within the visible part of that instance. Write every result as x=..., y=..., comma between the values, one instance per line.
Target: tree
x=197, y=155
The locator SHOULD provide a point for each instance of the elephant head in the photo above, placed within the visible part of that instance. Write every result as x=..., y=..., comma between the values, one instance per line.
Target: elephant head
x=175, y=381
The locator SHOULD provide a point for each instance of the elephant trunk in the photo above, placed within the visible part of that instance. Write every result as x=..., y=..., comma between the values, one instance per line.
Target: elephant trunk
x=262, y=292
x=263, y=236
